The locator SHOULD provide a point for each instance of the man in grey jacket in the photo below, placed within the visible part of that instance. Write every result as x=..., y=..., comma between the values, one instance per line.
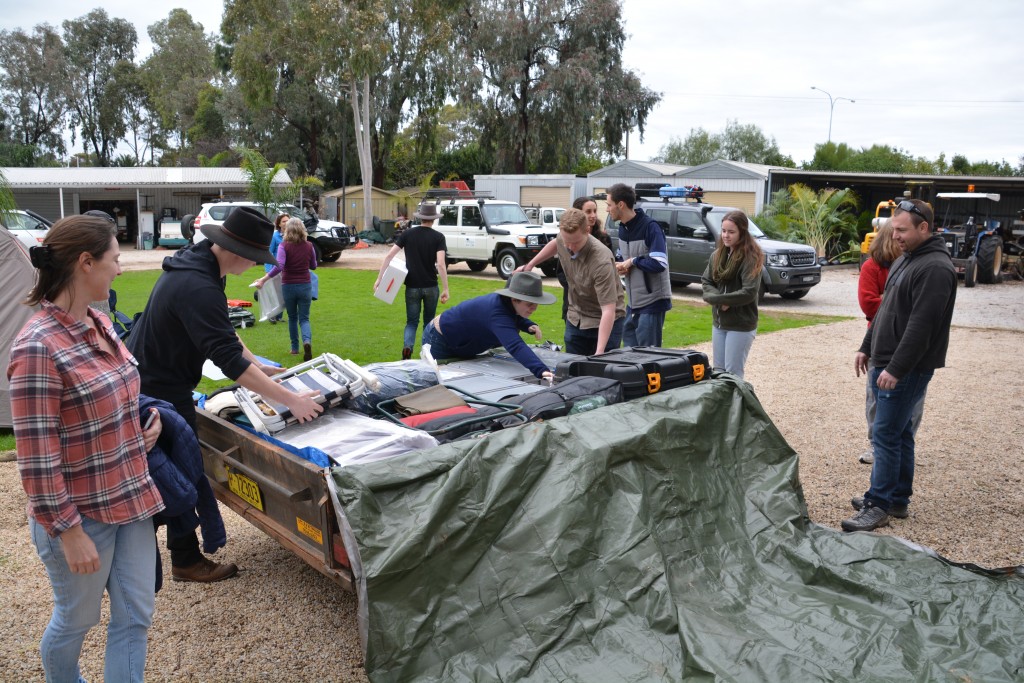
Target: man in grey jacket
x=904, y=345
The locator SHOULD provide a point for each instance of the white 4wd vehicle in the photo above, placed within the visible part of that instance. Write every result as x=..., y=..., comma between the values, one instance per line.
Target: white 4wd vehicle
x=483, y=231
x=545, y=216
x=329, y=238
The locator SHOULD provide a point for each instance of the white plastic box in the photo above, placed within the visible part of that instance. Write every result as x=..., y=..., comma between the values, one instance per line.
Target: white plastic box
x=394, y=276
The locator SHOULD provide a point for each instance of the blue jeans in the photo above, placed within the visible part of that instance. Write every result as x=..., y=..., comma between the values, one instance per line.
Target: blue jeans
x=892, y=436
x=584, y=342
x=415, y=297
x=438, y=348
x=128, y=574
x=730, y=349
x=643, y=329
x=297, y=299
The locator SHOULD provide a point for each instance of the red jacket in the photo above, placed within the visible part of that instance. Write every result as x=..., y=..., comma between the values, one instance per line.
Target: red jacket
x=870, y=287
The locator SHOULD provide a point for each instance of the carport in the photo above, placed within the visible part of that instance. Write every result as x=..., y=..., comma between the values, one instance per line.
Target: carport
x=136, y=197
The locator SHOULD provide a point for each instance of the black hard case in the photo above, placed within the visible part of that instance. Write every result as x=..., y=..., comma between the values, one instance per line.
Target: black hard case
x=642, y=370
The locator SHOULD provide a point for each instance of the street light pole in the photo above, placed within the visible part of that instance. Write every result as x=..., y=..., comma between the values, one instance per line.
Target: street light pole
x=831, y=107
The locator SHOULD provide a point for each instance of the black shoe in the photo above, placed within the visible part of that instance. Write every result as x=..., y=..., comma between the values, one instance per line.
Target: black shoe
x=307, y=352
x=897, y=511
x=406, y=353
x=868, y=519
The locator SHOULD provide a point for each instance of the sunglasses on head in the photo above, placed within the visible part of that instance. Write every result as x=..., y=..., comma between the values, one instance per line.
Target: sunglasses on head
x=911, y=207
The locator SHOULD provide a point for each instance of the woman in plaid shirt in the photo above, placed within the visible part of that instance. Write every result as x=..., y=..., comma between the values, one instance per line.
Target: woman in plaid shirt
x=82, y=454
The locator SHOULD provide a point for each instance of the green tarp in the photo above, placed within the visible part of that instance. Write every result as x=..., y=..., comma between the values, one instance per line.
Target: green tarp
x=664, y=539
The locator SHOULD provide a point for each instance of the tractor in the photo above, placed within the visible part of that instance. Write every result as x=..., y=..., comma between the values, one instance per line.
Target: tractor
x=976, y=248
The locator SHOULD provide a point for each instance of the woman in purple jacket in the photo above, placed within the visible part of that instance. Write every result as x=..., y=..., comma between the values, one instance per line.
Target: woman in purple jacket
x=295, y=260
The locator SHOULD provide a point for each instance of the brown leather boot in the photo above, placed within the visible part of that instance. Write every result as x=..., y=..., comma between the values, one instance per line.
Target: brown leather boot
x=307, y=351
x=204, y=571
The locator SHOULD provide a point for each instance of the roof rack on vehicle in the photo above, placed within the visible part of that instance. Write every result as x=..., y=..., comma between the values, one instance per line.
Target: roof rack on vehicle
x=440, y=193
x=666, y=191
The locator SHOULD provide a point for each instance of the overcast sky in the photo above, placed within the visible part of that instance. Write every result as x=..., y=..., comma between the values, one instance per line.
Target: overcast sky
x=928, y=76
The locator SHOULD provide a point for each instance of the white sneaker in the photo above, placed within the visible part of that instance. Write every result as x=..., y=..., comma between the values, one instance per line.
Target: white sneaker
x=867, y=457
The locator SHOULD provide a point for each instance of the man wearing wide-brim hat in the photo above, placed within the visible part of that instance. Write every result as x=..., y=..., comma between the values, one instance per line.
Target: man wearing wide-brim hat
x=425, y=250
x=184, y=323
x=492, y=320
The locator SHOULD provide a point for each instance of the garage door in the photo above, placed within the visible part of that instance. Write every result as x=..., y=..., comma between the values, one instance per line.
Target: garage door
x=545, y=196
x=736, y=200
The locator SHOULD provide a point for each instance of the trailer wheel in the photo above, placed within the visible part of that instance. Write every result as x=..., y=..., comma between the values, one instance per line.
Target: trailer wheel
x=476, y=266
x=971, y=272
x=762, y=292
x=794, y=293
x=549, y=268
x=990, y=260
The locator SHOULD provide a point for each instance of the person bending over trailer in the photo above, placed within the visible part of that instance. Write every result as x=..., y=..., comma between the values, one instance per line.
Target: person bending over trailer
x=492, y=320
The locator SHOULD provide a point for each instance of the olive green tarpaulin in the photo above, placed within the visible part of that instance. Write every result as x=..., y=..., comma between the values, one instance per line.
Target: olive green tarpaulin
x=665, y=539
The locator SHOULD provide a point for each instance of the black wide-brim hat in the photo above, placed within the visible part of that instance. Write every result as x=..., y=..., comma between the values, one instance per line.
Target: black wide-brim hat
x=246, y=232
x=527, y=287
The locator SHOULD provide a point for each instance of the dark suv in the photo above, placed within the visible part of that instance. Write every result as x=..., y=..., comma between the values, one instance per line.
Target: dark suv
x=691, y=233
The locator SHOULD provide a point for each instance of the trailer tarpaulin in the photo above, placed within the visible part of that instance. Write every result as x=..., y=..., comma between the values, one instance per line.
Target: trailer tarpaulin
x=663, y=539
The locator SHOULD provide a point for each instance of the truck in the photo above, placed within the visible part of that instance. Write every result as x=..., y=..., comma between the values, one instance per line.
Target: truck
x=545, y=216
x=484, y=231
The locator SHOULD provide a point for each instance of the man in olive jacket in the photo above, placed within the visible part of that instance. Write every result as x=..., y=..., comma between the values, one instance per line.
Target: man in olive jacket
x=905, y=343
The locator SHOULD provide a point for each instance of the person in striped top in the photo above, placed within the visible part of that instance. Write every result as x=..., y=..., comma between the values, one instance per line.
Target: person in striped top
x=82, y=454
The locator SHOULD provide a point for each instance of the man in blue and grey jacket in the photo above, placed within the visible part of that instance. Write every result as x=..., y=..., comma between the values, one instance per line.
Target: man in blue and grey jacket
x=642, y=259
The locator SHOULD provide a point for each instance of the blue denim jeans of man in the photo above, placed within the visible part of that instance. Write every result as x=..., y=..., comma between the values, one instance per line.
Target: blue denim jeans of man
x=643, y=329
x=584, y=342
x=892, y=474
x=297, y=299
x=127, y=573
x=730, y=349
x=869, y=408
x=417, y=298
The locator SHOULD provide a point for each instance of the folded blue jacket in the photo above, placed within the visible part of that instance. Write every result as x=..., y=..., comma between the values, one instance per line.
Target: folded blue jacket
x=176, y=466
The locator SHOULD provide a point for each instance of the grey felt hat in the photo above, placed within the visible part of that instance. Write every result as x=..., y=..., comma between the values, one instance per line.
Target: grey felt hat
x=427, y=211
x=527, y=287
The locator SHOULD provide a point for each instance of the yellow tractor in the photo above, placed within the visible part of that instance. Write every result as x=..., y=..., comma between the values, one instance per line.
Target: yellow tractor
x=883, y=212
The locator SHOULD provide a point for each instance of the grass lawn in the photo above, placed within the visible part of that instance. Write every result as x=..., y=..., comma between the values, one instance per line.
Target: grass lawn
x=350, y=322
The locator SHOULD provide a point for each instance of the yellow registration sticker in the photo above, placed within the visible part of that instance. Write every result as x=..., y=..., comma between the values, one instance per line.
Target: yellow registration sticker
x=246, y=489
x=308, y=530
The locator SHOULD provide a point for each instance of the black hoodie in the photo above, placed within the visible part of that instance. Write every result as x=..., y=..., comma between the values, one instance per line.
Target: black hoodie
x=184, y=323
x=911, y=329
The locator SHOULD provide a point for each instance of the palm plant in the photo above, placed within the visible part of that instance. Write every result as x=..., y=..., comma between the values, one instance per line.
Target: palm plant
x=260, y=175
x=823, y=219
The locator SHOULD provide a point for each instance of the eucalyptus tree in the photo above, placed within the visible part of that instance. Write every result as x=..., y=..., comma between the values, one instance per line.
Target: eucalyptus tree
x=33, y=88
x=180, y=67
x=737, y=142
x=547, y=76
x=94, y=44
x=284, y=65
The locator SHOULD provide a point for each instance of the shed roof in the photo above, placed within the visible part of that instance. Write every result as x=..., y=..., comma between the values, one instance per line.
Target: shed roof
x=27, y=178
x=723, y=168
x=629, y=167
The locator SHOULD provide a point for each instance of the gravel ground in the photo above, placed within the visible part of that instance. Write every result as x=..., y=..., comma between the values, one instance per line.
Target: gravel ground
x=281, y=620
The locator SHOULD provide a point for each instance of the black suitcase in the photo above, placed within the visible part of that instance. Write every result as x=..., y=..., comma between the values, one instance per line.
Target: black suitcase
x=642, y=370
x=574, y=395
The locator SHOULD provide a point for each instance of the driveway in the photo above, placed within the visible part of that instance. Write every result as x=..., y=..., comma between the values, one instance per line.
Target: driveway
x=998, y=307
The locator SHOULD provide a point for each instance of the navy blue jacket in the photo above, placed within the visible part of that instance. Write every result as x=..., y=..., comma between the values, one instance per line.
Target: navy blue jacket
x=183, y=486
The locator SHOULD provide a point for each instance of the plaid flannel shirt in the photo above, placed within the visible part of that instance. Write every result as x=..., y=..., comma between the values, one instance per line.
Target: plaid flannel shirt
x=76, y=421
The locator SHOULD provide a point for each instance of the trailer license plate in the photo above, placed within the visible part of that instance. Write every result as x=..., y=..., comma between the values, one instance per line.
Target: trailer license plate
x=246, y=489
